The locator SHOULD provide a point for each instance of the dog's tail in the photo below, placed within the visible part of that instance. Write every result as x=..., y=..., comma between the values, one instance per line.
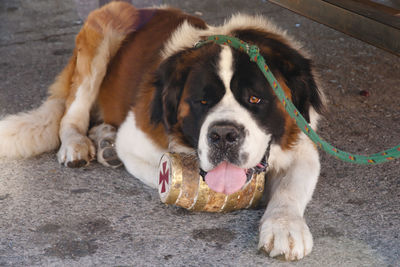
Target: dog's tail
x=34, y=132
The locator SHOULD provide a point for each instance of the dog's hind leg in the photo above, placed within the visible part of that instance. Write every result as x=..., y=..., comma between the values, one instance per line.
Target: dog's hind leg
x=96, y=44
x=103, y=136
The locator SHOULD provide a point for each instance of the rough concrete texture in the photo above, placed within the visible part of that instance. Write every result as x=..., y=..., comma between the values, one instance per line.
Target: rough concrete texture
x=54, y=216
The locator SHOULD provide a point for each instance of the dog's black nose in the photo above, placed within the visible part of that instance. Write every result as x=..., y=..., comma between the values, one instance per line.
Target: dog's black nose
x=225, y=135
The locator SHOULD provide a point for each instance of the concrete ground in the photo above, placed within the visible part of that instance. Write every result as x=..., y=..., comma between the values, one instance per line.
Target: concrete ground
x=54, y=216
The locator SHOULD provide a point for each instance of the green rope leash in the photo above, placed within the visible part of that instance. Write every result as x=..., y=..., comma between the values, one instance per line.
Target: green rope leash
x=255, y=56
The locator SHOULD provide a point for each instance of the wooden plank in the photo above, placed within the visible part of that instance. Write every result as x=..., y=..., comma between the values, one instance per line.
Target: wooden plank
x=357, y=25
x=384, y=14
x=390, y=3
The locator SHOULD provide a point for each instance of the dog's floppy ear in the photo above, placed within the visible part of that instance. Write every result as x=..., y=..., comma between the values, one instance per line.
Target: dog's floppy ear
x=292, y=65
x=301, y=81
x=169, y=83
x=298, y=74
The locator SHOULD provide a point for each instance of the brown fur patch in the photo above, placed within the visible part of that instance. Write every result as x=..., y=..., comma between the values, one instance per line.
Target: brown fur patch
x=128, y=84
x=183, y=111
x=113, y=21
x=142, y=111
x=184, y=108
x=118, y=16
x=292, y=131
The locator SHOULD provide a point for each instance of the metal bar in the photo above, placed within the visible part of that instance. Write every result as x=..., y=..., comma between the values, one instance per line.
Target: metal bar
x=361, y=27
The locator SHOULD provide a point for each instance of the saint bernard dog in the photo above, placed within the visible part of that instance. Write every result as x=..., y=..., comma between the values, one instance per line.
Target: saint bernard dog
x=137, y=87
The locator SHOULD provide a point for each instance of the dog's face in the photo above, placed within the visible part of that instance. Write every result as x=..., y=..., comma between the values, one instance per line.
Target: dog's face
x=215, y=100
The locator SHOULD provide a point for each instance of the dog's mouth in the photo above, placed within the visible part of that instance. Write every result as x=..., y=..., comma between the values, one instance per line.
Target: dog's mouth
x=228, y=178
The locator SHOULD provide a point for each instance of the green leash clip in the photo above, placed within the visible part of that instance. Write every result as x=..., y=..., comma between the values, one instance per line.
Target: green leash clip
x=254, y=53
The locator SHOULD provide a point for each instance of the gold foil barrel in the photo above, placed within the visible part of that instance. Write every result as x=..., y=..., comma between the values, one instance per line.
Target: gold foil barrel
x=181, y=184
x=190, y=181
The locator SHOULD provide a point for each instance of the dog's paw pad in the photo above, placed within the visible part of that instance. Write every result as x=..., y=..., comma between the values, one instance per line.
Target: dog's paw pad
x=107, y=155
x=106, y=143
x=77, y=163
x=103, y=135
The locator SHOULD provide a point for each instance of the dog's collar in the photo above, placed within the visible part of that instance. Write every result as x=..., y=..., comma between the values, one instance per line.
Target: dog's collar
x=259, y=168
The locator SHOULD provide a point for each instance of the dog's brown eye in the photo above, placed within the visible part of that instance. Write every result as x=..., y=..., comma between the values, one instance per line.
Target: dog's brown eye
x=254, y=100
x=203, y=102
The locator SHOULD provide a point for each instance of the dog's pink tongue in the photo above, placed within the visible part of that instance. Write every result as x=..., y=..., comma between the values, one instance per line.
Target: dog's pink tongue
x=226, y=178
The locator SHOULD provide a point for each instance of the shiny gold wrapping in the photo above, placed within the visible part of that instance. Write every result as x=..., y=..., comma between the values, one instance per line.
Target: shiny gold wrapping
x=186, y=188
x=190, y=180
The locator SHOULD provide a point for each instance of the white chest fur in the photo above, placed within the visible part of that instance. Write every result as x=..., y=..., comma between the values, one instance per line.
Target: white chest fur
x=138, y=152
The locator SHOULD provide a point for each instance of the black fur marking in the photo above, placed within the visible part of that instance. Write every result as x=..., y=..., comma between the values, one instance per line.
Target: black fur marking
x=295, y=69
x=248, y=81
x=169, y=85
x=194, y=69
x=203, y=85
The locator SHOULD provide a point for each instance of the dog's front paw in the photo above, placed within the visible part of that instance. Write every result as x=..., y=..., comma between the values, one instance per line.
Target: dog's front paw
x=76, y=152
x=287, y=236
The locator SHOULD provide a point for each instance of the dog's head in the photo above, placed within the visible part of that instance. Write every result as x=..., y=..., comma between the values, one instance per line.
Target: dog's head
x=214, y=100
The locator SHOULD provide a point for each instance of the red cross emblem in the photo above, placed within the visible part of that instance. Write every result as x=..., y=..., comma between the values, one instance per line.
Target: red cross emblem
x=164, y=177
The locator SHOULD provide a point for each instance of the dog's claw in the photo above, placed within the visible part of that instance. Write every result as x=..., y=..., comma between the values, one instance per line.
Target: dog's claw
x=108, y=157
